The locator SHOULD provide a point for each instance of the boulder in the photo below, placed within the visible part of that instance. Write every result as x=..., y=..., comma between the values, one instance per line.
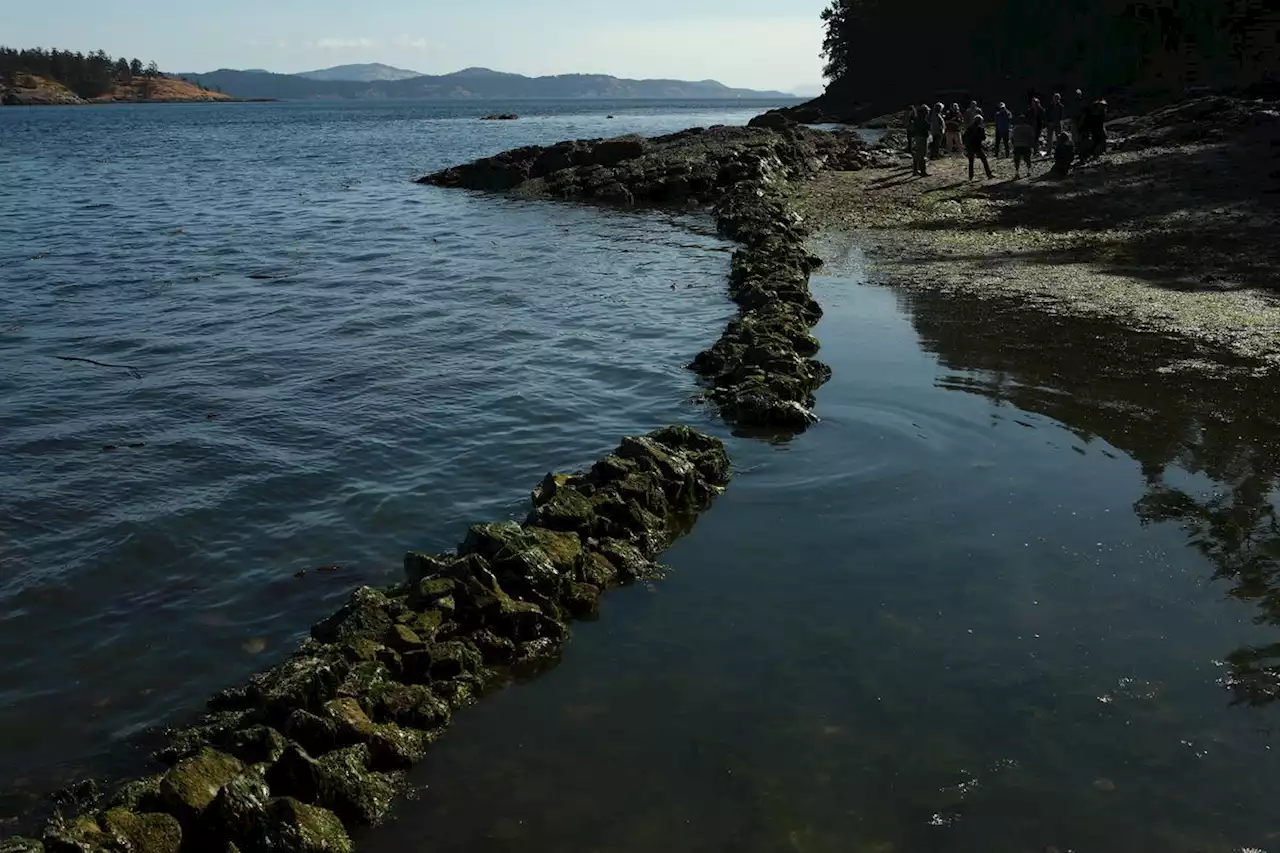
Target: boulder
x=191, y=785
x=340, y=781
x=295, y=827
x=772, y=121
x=238, y=812
x=142, y=833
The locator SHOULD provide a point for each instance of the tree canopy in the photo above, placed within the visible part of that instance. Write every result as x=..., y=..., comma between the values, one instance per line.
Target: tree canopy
x=88, y=75
x=999, y=48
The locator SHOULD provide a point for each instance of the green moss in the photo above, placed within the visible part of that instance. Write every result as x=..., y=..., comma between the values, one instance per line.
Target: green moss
x=299, y=828
x=190, y=785
x=143, y=833
x=403, y=638
x=564, y=549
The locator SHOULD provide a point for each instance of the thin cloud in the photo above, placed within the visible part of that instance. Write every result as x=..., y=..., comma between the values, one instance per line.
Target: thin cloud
x=410, y=42
x=344, y=44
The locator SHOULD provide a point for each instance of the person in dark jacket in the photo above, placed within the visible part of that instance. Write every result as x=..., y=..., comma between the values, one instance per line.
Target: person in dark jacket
x=1054, y=114
x=1079, y=110
x=1024, y=142
x=1093, y=132
x=907, y=118
x=937, y=131
x=1064, y=153
x=955, y=125
x=920, y=128
x=975, y=138
x=1004, y=123
x=1037, y=116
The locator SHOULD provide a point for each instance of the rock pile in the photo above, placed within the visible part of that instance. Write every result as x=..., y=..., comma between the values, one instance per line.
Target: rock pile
x=761, y=372
x=321, y=742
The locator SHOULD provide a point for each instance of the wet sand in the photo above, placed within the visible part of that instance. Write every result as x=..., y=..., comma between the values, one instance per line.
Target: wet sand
x=1173, y=231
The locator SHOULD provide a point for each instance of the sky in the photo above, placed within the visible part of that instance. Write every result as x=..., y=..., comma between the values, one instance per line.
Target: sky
x=759, y=44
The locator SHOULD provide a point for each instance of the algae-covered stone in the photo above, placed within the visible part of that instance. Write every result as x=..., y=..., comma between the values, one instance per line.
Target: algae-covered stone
x=442, y=661
x=402, y=638
x=21, y=845
x=596, y=569
x=629, y=562
x=418, y=566
x=138, y=795
x=315, y=733
x=350, y=789
x=368, y=613
x=255, y=745
x=308, y=679
x=391, y=745
x=142, y=833
x=237, y=813
x=563, y=549
x=514, y=555
x=582, y=599
x=190, y=786
x=341, y=781
x=295, y=827
x=413, y=705
x=79, y=835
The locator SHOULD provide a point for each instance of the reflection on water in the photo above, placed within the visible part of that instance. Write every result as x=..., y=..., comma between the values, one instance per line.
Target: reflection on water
x=935, y=623
x=1159, y=401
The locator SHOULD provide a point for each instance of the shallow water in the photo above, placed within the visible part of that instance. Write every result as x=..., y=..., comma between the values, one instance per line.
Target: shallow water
x=322, y=363
x=992, y=602
x=947, y=618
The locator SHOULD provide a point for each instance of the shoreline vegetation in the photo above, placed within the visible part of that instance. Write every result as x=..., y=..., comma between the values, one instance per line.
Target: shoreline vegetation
x=62, y=78
x=321, y=742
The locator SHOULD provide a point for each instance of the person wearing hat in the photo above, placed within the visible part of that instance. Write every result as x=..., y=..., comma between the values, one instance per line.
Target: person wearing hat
x=975, y=138
x=1004, y=121
x=937, y=130
x=920, y=126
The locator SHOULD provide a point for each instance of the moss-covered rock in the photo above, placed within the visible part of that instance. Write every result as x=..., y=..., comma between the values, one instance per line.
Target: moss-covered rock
x=190, y=786
x=340, y=781
x=142, y=833
x=76, y=835
x=413, y=705
x=295, y=827
x=138, y=795
x=307, y=679
x=238, y=812
x=21, y=845
x=256, y=745
x=368, y=614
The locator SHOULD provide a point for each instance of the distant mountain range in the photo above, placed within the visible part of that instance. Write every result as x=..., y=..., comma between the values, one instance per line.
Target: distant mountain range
x=366, y=73
x=377, y=81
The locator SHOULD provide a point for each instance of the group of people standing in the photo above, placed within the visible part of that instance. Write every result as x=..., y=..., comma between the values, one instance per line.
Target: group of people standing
x=935, y=131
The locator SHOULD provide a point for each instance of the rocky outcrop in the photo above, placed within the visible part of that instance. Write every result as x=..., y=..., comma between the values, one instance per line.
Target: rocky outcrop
x=288, y=762
x=43, y=94
x=500, y=117
x=761, y=373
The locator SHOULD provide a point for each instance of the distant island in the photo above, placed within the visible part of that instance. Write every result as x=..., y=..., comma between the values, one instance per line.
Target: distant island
x=41, y=77
x=377, y=81
x=368, y=72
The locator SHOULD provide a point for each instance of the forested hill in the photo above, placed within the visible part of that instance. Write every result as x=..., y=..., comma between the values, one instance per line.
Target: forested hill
x=469, y=83
x=39, y=76
x=886, y=53
x=88, y=75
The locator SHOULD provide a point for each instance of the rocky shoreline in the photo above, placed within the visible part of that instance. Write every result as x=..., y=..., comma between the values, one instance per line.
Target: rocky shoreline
x=761, y=373
x=322, y=741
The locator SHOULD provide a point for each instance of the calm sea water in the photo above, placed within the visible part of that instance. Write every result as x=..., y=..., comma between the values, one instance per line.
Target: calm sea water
x=995, y=601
